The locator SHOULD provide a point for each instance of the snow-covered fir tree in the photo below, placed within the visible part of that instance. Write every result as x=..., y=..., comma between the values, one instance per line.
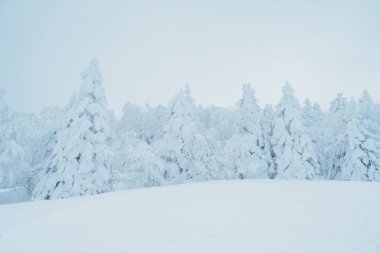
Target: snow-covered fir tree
x=146, y=122
x=311, y=116
x=136, y=164
x=51, y=121
x=360, y=135
x=293, y=151
x=79, y=164
x=9, y=149
x=245, y=150
x=331, y=139
x=267, y=125
x=17, y=136
x=221, y=122
x=184, y=148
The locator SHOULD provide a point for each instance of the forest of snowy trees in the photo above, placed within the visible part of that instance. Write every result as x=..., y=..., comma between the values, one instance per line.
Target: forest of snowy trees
x=84, y=149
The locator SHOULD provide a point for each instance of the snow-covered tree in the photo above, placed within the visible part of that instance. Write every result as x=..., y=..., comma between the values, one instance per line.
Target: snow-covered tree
x=135, y=164
x=50, y=121
x=184, y=148
x=79, y=164
x=313, y=119
x=220, y=122
x=245, y=150
x=13, y=165
x=311, y=116
x=360, y=158
x=249, y=113
x=332, y=140
x=267, y=124
x=17, y=135
x=146, y=122
x=293, y=151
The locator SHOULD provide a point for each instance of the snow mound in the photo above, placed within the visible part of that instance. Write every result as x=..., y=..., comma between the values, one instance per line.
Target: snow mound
x=225, y=216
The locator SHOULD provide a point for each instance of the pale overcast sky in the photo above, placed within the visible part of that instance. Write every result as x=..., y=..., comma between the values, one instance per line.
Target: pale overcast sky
x=148, y=50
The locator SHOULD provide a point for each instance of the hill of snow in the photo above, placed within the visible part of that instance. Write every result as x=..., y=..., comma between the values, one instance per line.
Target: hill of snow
x=225, y=216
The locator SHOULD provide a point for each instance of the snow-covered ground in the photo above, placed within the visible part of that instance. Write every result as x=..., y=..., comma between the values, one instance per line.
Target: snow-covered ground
x=225, y=216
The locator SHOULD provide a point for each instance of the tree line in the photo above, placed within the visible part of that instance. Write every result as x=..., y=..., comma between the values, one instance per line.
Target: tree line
x=83, y=148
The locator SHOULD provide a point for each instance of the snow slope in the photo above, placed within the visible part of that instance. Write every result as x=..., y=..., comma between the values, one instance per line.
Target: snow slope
x=225, y=216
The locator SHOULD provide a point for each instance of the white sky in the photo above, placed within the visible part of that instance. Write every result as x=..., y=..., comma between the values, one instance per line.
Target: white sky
x=148, y=50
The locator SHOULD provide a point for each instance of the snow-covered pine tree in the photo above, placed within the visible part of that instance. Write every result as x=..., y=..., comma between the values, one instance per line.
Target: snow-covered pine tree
x=311, y=116
x=218, y=125
x=369, y=126
x=145, y=122
x=221, y=122
x=184, y=148
x=135, y=164
x=267, y=124
x=50, y=121
x=331, y=136
x=78, y=164
x=293, y=151
x=360, y=132
x=245, y=150
x=307, y=114
x=17, y=133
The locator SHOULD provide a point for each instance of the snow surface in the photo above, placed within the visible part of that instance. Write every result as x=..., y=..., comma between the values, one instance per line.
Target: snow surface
x=224, y=216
